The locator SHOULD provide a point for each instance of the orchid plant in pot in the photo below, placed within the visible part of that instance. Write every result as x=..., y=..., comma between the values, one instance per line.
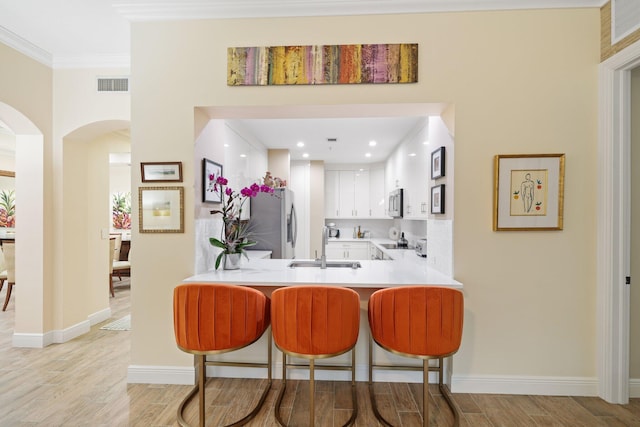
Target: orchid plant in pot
x=235, y=235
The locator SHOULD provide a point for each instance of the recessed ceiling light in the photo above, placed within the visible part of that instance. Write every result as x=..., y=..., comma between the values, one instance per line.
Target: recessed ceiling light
x=243, y=155
x=226, y=145
x=412, y=154
x=368, y=155
x=300, y=144
x=305, y=155
x=426, y=143
x=372, y=143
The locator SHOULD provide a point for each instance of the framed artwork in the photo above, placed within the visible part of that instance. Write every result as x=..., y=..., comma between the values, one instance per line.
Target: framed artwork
x=528, y=192
x=437, y=199
x=437, y=163
x=161, y=171
x=161, y=209
x=210, y=172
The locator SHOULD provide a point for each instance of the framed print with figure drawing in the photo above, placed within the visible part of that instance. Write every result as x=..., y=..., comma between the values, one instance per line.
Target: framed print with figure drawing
x=528, y=192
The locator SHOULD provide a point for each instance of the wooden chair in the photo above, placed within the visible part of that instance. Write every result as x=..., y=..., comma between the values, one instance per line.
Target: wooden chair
x=3, y=271
x=423, y=322
x=315, y=322
x=119, y=266
x=210, y=319
x=112, y=247
x=9, y=253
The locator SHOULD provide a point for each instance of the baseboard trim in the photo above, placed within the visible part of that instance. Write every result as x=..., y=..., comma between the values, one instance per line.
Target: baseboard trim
x=634, y=388
x=67, y=334
x=547, y=386
x=100, y=316
x=25, y=340
x=139, y=374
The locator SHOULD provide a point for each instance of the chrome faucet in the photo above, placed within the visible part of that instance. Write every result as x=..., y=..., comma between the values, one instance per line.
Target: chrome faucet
x=325, y=240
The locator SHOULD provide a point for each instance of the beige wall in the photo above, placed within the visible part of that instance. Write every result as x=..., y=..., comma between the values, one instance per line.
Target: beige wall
x=26, y=87
x=521, y=82
x=634, y=356
x=84, y=126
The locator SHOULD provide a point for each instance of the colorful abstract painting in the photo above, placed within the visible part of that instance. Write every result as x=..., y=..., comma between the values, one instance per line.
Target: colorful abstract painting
x=322, y=64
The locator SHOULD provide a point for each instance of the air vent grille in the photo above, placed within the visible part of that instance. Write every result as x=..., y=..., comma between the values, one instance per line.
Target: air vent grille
x=625, y=18
x=113, y=84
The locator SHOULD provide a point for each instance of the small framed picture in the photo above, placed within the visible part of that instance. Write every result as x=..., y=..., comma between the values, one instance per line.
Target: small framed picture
x=210, y=172
x=437, y=163
x=437, y=199
x=161, y=209
x=528, y=192
x=161, y=171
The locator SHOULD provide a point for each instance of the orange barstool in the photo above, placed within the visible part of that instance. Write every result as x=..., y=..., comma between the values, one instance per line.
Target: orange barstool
x=211, y=319
x=315, y=322
x=423, y=322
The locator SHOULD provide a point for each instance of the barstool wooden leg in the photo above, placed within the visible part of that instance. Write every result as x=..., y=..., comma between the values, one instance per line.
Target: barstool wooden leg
x=202, y=376
x=425, y=392
x=312, y=389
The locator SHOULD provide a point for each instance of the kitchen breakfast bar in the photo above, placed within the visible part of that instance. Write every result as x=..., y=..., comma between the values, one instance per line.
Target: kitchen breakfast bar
x=266, y=275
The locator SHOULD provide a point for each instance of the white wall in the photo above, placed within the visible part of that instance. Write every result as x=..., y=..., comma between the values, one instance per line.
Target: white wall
x=243, y=160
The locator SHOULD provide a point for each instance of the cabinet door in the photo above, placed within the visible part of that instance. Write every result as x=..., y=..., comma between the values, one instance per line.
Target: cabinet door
x=335, y=251
x=347, y=194
x=361, y=208
x=331, y=194
x=358, y=252
x=377, y=199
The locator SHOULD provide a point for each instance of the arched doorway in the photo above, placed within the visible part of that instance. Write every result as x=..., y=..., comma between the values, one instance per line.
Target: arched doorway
x=86, y=223
x=31, y=314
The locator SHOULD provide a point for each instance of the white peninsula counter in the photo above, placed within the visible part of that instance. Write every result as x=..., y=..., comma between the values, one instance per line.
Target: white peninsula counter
x=266, y=275
x=405, y=269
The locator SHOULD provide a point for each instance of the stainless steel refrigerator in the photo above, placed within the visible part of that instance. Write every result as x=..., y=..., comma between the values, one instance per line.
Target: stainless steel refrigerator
x=273, y=223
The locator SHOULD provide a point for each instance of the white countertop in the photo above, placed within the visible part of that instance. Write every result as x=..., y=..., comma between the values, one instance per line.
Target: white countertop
x=406, y=268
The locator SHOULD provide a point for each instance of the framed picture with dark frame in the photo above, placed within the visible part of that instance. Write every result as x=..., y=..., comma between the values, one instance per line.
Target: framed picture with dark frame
x=161, y=171
x=437, y=163
x=210, y=172
x=437, y=199
x=161, y=209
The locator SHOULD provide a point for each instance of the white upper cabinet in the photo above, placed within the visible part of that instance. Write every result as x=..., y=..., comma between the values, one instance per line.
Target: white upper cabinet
x=331, y=194
x=348, y=192
x=377, y=195
x=408, y=168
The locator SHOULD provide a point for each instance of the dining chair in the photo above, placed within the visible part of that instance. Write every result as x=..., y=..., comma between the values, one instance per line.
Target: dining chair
x=212, y=319
x=119, y=266
x=315, y=322
x=423, y=322
x=3, y=271
x=9, y=253
x=112, y=247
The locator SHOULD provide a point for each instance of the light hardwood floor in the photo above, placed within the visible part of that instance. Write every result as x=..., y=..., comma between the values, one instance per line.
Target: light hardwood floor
x=83, y=383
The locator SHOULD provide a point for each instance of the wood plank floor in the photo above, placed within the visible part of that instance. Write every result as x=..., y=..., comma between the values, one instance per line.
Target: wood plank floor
x=83, y=383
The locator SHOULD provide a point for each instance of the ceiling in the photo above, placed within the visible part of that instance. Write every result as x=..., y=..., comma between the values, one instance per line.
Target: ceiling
x=96, y=33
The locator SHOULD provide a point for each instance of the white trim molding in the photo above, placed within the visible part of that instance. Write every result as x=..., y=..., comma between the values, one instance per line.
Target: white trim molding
x=612, y=225
x=546, y=386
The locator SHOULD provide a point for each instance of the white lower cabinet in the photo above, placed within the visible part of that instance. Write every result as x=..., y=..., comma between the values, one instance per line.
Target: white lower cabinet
x=348, y=250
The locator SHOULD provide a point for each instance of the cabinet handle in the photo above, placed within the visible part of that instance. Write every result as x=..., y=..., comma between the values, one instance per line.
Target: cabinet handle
x=337, y=212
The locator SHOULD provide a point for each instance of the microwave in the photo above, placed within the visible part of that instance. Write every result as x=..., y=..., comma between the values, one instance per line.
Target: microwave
x=395, y=203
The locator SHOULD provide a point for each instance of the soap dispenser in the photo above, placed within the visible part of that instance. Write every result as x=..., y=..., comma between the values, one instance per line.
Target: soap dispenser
x=402, y=242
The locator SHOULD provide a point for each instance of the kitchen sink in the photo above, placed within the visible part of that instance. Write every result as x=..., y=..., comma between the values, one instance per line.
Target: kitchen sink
x=394, y=246
x=330, y=264
x=389, y=245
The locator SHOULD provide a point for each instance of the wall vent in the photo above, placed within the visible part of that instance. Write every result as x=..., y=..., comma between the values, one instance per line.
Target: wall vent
x=625, y=19
x=113, y=84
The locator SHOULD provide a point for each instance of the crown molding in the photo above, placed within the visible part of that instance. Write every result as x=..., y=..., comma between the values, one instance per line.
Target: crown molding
x=92, y=61
x=144, y=10
x=23, y=46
